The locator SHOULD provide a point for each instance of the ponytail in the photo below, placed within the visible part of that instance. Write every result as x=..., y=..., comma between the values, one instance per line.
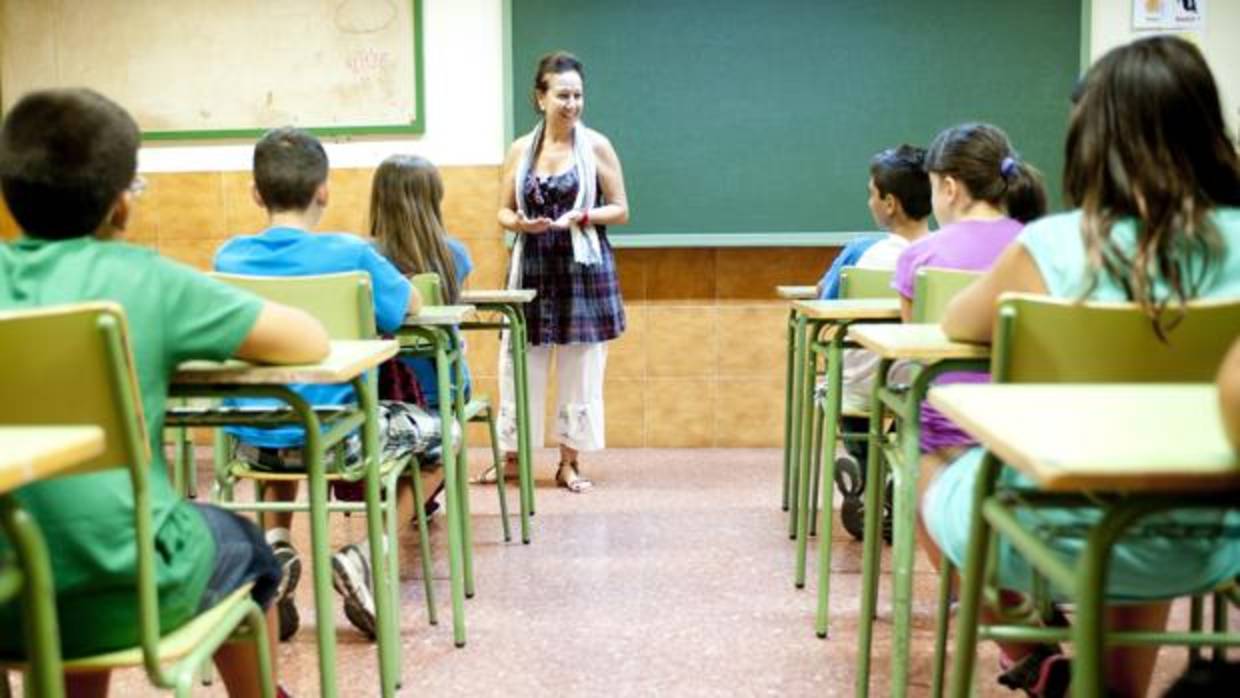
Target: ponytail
x=1025, y=198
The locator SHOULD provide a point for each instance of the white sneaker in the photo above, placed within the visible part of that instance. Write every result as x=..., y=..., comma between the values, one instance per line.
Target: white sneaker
x=352, y=579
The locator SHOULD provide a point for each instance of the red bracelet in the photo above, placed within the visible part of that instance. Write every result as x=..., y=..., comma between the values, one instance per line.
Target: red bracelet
x=585, y=217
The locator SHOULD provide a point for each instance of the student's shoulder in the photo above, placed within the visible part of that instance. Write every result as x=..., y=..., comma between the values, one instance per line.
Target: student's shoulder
x=1054, y=227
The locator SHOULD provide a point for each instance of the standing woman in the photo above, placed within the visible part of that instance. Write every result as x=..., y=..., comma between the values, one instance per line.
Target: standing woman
x=562, y=184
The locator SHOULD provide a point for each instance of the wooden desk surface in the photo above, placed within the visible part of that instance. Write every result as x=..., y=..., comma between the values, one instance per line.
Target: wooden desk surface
x=485, y=296
x=797, y=293
x=439, y=315
x=32, y=453
x=919, y=342
x=1116, y=437
x=858, y=309
x=347, y=359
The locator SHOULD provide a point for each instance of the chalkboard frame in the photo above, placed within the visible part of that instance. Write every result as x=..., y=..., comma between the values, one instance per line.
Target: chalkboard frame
x=415, y=127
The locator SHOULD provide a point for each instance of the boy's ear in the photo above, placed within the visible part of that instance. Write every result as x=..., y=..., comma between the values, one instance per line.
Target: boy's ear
x=114, y=224
x=258, y=198
x=892, y=204
x=321, y=195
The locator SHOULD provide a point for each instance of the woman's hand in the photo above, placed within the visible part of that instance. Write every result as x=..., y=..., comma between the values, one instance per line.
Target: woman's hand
x=568, y=220
x=533, y=225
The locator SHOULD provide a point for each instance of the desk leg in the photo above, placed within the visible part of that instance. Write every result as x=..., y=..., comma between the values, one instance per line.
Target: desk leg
x=387, y=604
x=974, y=577
x=452, y=495
x=800, y=367
x=325, y=625
x=39, y=592
x=462, y=468
x=520, y=397
x=790, y=382
x=904, y=521
x=835, y=395
x=872, y=539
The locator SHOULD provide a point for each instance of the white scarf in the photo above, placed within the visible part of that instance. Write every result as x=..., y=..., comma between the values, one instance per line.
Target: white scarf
x=586, y=249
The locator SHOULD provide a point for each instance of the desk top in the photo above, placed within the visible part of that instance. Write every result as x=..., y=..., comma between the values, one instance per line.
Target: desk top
x=32, y=453
x=797, y=293
x=919, y=342
x=348, y=358
x=494, y=296
x=857, y=309
x=439, y=315
x=1112, y=437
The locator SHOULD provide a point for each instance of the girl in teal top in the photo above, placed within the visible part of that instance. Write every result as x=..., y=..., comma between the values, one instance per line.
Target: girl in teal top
x=1157, y=183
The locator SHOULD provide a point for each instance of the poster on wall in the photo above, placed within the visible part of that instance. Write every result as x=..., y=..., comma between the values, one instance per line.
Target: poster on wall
x=1173, y=15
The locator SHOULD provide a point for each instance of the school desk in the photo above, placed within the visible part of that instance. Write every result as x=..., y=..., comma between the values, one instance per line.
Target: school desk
x=813, y=318
x=791, y=293
x=29, y=454
x=347, y=362
x=1127, y=449
x=511, y=303
x=926, y=345
x=431, y=331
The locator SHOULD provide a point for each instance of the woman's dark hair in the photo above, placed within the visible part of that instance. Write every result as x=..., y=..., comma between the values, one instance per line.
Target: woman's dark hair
x=981, y=157
x=901, y=172
x=553, y=64
x=1147, y=141
x=65, y=158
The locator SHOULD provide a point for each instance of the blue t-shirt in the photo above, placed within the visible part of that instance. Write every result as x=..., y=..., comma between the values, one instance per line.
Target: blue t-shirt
x=294, y=252
x=830, y=282
x=424, y=368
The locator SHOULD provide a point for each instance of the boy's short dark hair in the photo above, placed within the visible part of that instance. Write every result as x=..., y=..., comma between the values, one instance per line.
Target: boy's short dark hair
x=65, y=157
x=901, y=173
x=289, y=166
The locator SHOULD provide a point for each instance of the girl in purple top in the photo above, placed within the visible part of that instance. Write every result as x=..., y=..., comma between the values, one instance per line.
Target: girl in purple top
x=982, y=195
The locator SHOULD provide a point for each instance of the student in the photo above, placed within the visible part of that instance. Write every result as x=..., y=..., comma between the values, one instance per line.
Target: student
x=982, y=194
x=290, y=182
x=67, y=161
x=406, y=223
x=1157, y=183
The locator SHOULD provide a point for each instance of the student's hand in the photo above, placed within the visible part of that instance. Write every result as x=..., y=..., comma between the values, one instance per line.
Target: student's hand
x=568, y=220
x=534, y=225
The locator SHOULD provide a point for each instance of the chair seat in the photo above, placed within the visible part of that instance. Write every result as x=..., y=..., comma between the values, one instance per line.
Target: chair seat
x=172, y=646
x=241, y=470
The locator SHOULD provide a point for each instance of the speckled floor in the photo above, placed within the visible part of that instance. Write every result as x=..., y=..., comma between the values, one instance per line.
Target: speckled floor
x=673, y=577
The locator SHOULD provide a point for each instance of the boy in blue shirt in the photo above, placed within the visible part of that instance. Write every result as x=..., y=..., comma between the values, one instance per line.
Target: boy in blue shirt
x=290, y=182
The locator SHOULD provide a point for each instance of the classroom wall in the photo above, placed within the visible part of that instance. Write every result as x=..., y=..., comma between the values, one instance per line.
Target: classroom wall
x=1111, y=26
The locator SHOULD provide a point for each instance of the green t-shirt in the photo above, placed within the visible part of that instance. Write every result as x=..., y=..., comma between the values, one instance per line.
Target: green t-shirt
x=174, y=314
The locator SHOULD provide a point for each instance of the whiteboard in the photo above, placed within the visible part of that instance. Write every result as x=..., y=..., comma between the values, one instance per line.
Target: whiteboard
x=225, y=68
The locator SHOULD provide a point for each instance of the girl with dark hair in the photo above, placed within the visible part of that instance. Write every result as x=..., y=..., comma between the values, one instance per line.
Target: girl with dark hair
x=1157, y=184
x=561, y=185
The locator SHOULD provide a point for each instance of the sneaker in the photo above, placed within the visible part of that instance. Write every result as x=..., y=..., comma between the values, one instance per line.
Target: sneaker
x=352, y=579
x=1043, y=673
x=290, y=566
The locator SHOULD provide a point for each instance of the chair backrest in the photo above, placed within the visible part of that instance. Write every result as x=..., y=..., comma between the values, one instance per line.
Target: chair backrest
x=429, y=287
x=342, y=301
x=856, y=282
x=934, y=288
x=72, y=364
x=1048, y=340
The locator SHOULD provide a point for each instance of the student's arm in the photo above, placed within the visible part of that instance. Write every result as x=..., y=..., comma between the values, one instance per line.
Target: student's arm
x=1229, y=394
x=415, y=300
x=508, y=215
x=906, y=309
x=284, y=335
x=970, y=316
x=611, y=177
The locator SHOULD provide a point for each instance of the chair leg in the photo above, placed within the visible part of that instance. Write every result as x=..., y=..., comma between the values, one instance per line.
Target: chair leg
x=497, y=461
x=790, y=383
x=1220, y=626
x=870, y=558
x=820, y=417
x=942, y=621
x=1196, y=620
x=262, y=650
x=424, y=543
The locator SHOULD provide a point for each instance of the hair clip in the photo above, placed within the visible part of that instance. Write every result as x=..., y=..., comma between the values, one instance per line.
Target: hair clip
x=1007, y=168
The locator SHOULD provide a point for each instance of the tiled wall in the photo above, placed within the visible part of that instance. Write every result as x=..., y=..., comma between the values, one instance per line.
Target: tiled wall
x=702, y=363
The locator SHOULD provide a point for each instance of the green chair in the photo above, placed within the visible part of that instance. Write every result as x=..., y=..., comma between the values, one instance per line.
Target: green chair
x=899, y=454
x=342, y=302
x=90, y=359
x=1043, y=340
x=858, y=282
x=477, y=409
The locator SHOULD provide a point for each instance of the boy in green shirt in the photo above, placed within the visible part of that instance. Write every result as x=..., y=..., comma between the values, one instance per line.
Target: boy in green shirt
x=68, y=159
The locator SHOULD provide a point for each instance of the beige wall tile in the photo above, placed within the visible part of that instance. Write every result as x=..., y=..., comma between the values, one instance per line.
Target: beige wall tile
x=679, y=413
x=631, y=268
x=752, y=340
x=681, y=275
x=470, y=201
x=196, y=253
x=8, y=226
x=143, y=225
x=482, y=351
x=490, y=259
x=242, y=215
x=754, y=273
x=348, y=202
x=681, y=341
x=626, y=407
x=749, y=413
x=626, y=356
x=189, y=205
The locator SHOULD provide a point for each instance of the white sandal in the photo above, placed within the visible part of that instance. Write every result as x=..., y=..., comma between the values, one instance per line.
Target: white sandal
x=574, y=483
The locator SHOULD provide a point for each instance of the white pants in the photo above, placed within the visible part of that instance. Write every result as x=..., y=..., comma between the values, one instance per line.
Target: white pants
x=578, y=393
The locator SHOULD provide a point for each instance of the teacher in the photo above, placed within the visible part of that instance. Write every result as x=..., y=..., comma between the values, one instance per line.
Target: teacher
x=561, y=185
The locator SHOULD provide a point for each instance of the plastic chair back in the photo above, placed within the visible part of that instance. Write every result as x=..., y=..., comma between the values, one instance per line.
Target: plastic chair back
x=342, y=302
x=1048, y=340
x=856, y=282
x=934, y=288
x=429, y=287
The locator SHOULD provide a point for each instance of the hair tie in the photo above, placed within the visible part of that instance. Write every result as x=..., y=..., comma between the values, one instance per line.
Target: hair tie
x=1007, y=168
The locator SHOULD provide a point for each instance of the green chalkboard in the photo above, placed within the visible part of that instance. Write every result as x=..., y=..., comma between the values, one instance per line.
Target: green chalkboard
x=756, y=119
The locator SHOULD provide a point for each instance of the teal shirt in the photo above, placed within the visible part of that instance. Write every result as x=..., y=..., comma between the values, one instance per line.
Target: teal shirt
x=174, y=314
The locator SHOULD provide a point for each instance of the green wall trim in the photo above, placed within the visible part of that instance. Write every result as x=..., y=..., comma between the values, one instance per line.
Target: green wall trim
x=415, y=127
x=633, y=241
